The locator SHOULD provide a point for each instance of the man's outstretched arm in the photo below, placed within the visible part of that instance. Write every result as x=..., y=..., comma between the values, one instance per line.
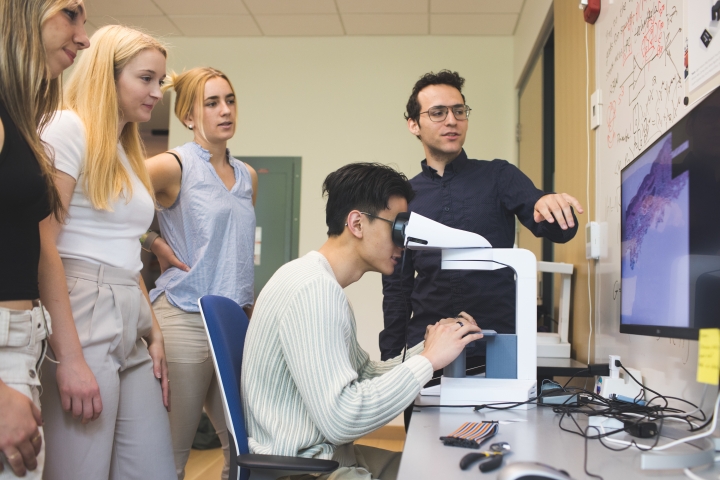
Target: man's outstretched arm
x=549, y=215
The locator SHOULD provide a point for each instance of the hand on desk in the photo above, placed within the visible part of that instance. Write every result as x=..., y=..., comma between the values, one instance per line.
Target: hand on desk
x=446, y=339
x=556, y=206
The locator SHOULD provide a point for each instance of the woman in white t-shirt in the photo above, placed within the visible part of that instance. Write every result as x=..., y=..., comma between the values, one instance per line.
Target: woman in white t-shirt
x=124, y=431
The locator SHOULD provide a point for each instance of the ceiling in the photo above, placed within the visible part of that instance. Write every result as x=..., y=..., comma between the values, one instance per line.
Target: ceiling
x=246, y=18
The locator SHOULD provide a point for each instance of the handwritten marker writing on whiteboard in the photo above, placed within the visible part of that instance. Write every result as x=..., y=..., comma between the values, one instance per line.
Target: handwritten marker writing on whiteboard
x=708, y=370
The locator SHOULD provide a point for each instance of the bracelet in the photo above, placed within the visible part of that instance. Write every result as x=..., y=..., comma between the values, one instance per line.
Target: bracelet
x=147, y=239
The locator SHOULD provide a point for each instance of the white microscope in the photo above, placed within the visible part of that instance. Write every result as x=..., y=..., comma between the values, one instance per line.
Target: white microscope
x=511, y=359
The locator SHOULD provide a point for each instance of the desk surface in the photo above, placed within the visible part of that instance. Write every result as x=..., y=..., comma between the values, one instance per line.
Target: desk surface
x=536, y=437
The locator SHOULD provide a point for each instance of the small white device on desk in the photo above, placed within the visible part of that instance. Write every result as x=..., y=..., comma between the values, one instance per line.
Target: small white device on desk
x=511, y=359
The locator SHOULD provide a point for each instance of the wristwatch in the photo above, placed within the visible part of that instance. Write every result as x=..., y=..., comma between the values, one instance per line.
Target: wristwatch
x=147, y=239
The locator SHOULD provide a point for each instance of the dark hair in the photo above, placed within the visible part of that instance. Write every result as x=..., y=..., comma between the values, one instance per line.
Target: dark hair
x=443, y=77
x=361, y=186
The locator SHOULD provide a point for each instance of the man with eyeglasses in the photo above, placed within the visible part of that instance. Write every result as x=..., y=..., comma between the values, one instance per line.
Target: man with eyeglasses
x=480, y=196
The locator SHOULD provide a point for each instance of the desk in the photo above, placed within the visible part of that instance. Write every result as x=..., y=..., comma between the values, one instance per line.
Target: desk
x=538, y=438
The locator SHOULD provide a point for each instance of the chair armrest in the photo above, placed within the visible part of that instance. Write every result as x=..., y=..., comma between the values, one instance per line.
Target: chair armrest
x=281, y=462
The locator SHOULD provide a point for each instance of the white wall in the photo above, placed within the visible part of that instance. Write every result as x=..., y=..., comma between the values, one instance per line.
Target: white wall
x=667, y=365
x=535, y=17
x=341, y=99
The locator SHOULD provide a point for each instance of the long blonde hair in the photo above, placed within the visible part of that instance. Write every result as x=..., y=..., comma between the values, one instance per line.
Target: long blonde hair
x=91, y=93
x=190, y=89
x=27, y=90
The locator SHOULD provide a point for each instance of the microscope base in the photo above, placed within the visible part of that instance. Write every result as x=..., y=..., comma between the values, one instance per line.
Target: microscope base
x=480, y=390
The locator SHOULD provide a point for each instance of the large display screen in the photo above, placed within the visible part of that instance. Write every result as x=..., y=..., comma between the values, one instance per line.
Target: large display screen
x=671, y=230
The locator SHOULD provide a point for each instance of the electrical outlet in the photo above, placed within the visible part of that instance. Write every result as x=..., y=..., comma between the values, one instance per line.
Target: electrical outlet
x=592, y=241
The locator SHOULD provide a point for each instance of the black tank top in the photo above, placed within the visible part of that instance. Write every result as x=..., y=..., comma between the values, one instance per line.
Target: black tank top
x=23, y=203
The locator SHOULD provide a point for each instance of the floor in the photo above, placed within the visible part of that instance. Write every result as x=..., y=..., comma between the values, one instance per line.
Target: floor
x=207, y=464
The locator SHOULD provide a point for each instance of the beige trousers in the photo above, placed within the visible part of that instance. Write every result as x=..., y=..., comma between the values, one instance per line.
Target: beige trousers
x=194, y=384
x=131, y=438
x=370, y=463
x=22, y=349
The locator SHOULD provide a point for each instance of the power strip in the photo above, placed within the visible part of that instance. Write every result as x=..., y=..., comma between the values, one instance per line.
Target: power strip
x=559, y=398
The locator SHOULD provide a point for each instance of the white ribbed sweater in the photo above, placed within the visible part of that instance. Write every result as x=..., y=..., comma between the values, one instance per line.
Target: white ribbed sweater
x=307, y=385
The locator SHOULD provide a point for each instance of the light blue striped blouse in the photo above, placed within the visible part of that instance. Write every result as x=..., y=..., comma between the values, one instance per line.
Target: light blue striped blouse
x=212, y=230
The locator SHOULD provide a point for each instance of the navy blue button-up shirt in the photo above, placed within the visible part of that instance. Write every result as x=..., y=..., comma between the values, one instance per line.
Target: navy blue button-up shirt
x=478, y=196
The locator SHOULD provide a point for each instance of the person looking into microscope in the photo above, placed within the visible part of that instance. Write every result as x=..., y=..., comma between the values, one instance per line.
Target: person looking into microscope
x=308, y=388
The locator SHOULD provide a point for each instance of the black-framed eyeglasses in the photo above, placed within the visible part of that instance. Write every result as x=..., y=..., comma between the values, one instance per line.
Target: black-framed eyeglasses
x=439, y=113
x=379, y=218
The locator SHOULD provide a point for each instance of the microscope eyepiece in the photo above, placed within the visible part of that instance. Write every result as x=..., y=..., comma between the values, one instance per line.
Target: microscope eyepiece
x=398, y=228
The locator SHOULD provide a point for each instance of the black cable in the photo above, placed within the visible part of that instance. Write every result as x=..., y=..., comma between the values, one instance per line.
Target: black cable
x=709, y=421
x=592, y=404
x=490, y=406
x=586, y=456
x=574, y=375
x=406, y=300
x=619, y=364
x=615, y=409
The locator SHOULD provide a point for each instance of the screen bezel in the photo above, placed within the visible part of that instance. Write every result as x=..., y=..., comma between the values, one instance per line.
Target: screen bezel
x=686, y=333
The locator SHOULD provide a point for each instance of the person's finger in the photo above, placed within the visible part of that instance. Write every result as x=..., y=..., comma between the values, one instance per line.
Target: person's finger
x=27, y=452
x=574, y=202
x=566, y=210
x=471, y=337
x=77, y=407
x=97, y=406
x=168, y=406
x=544, y=211
x=157, y=369
x=558, y=213
x=448, y=320
x=166, y=386
x=36, y=442
x=36, y=413
x=15, y=460
x=177, y=263
x=467, y=317
x=465, y=330
x=88, y=410
x=66, y=401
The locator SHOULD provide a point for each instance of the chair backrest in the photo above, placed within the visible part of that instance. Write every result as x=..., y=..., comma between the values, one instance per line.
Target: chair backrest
x=226, y=325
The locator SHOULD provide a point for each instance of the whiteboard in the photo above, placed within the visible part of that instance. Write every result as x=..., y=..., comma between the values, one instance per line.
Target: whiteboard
x=640, y=47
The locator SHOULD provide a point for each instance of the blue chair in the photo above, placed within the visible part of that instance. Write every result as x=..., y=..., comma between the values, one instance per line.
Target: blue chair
x=226, y=325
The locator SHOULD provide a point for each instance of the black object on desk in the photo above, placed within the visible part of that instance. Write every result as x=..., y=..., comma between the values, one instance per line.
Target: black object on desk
x=548, y=367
